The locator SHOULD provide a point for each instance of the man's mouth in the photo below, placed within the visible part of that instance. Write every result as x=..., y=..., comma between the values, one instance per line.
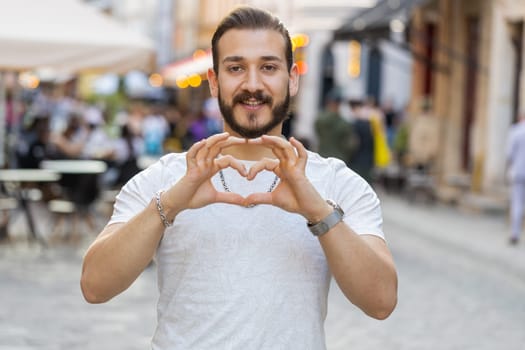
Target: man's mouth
x=252, y=100
x=253, y=103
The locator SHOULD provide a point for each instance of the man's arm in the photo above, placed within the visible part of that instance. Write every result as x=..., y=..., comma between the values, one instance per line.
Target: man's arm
x=361, y=264
x=122, y=251
x=119, y=255
x=364, y=269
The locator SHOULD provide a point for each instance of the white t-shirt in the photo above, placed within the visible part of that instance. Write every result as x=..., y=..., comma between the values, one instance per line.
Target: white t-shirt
x=231, y=277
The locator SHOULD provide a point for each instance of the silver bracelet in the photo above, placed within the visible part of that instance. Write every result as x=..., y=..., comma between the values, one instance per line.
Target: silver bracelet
x=160, y=209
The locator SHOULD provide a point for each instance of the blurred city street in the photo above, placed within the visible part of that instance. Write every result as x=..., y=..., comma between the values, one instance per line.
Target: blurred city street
x=423, y=99
x=461, y=286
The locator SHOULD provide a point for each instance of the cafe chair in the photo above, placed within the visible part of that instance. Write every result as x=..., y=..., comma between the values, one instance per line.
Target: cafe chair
x=6, y=205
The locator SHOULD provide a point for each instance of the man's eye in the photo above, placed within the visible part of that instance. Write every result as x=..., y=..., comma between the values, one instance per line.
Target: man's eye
x=235, y=69
x=269, y=68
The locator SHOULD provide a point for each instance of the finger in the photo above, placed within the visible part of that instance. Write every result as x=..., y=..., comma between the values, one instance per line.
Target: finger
x=192, y=152
x=203, y=153
x=301, y=151
x=216, y=137
x=276, y=150
x=258, y=198
x=229, y=161
x=264, y=164
x=281, y=147
x=230, y=198
x=216, y=149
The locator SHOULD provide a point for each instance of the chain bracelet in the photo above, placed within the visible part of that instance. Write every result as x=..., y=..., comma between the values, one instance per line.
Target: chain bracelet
x=160, y=209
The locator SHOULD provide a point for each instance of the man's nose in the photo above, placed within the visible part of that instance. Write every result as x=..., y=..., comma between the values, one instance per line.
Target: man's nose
x=253, y=81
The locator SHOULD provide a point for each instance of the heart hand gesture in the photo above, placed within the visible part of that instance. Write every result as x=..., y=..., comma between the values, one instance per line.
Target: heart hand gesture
x=294, y=193
x=195, y=188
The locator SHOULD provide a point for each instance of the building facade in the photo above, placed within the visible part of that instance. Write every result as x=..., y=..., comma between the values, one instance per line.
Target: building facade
x=470, y=58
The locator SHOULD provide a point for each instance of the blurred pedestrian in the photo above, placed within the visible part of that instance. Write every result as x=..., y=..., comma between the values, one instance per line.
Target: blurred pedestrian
x=203, y=126
x=128, y=147
x=69, y=143
x=391, y=122
x=335, y=135
x=98, y=145
x=376, y=117
x=362, y=160
x=155, y=130
x=516, y=174
x=33, y=145
x=244, y=240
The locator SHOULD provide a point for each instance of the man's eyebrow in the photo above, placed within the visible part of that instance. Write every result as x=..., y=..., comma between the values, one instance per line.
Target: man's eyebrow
x=241, y=58
x=272, y=58
x=232, y=59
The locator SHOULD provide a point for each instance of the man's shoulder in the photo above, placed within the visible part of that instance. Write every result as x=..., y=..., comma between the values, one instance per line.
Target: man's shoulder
x=316, y=162
x=171, y=162
x=174, y=157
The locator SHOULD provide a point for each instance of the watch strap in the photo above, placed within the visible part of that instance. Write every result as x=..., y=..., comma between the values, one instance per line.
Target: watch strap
x=332, y=219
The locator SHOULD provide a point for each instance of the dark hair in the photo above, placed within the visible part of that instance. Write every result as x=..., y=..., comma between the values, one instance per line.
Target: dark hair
x=245, y=17
x=355, y=103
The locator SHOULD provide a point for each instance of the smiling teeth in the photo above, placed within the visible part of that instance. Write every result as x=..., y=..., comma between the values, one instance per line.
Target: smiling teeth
x=252, y=103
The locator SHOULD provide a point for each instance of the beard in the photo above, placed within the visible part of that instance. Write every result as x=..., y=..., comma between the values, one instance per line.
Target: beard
x=279, y=113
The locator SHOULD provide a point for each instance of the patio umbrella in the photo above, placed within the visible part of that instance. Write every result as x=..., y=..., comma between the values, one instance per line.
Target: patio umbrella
x=66, y=36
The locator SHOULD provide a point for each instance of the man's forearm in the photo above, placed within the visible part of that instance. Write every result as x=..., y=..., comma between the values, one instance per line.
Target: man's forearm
x=119, y=255
x=363, y=269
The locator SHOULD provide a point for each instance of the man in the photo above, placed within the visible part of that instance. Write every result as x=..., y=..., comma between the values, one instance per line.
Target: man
x=336, y=137
x=238, y=267
x=516, y=171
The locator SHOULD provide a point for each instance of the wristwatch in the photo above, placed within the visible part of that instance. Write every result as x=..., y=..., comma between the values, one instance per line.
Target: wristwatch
x=320, y=228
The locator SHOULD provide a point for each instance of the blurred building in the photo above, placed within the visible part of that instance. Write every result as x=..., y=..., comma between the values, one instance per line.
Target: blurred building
x=465, y=57
x=470, y=65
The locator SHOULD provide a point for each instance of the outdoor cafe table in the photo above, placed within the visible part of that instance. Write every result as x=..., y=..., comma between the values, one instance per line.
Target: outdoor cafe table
x=75, y=166
x=79, y=181
x=15, y=178
x=79, y=178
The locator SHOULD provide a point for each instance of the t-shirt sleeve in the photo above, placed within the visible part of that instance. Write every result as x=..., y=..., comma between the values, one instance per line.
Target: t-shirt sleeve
x=136, y=194
x=358, y=200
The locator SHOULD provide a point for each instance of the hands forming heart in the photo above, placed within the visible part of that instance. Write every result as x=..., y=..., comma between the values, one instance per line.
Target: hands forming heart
x=293, y=193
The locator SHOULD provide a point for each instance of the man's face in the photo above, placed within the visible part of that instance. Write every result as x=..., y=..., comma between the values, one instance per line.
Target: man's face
x=253, y=84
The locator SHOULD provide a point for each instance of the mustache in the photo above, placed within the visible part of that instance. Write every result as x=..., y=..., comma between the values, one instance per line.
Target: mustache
x=257, y=95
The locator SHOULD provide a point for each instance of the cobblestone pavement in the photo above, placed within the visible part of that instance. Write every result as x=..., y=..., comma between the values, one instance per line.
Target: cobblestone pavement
x=460, y=287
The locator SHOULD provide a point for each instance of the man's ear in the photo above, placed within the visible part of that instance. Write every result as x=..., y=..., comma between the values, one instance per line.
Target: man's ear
x=212, y=82
x=293, y=86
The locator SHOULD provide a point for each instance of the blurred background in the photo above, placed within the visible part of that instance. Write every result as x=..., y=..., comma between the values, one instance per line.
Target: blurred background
x=460, y=59
x=111, y=85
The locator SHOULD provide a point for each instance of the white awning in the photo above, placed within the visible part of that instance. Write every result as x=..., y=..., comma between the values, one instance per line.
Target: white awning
x=68, y=36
